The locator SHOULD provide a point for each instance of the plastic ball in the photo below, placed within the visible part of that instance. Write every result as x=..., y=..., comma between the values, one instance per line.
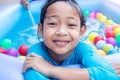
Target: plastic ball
x=92, y=14
x=108, y=28
x=92, y=36
x=6, y=43
x=111, y=52
x=12, y=52
x=111, y=40
x=86, y=13
x=109, y=22
x=99, y=15
x=108, y=47
x=100, y=44
x=116, y=31
x=103, y=18
x=23, y=49
x=21, y=57
x=97, y=38
x=110, y=34
x=116, y=26
x=101, y=52
x=2, y=50
x=118, y=40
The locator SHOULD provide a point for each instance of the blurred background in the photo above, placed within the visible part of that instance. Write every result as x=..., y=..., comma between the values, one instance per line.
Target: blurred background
x=4, y=2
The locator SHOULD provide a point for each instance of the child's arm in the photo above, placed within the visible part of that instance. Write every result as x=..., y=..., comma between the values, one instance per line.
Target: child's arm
x=116, y=67
x=39, y=64
x=95, y=72
x=114, y=60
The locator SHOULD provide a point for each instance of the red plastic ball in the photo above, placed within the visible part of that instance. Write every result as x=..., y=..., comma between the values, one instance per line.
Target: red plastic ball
x=2, y=50
x=110, y=34
x=23, y=49
x=97, y=38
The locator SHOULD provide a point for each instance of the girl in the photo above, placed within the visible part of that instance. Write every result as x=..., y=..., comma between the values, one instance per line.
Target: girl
x=61, y=26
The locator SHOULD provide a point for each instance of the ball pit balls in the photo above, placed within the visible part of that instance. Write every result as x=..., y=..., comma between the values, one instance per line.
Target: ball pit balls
x=116, y=26
x=92, y=36
x=108, y=28
x=12, y=52
x=92, y=14
x=116, y=31
x=109, y=22
x=103, y=18
x=23, y=49
x=111, y=40
x=86, y=13
x=118, y=40
x=99, y=15
x=111, y=52
x=108, y=47
x=110, y=34
x=6, y=43
x=21, y=57
x=100, y=44
x=101, y=52
x=97, y=38
x=2, y=50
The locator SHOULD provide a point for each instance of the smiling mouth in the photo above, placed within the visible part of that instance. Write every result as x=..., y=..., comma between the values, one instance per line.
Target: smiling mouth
x=61, y=43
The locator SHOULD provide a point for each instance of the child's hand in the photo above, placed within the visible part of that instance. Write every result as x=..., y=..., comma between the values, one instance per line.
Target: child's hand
x=116, y=67
x=25, y=3
x=37, y=63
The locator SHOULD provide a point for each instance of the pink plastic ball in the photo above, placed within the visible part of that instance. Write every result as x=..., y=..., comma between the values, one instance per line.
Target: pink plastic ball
x=12, y=52
x=92, y=14
x=108, y=28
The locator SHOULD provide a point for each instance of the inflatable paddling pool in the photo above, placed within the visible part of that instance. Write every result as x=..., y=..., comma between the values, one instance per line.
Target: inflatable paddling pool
x=19, y=25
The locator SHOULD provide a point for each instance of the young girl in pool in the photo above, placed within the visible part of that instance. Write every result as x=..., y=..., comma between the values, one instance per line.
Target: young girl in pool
x=61, y=26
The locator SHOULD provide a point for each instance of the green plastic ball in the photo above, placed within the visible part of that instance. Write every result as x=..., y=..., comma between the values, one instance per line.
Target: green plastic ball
x=86, y=13
x=6, y=43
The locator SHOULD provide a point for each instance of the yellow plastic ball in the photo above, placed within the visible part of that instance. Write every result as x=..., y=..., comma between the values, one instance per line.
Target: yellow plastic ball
x=116, y=26
x=109, y=22
x=108, y=47
x=92, y=36
x=21, y=57
x=101, y=52
x=117, y=31
x=103, y=18
x=99, y=15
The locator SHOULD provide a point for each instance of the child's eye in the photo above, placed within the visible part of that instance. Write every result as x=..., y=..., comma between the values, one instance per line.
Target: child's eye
x=52, y=23
x=72, y=25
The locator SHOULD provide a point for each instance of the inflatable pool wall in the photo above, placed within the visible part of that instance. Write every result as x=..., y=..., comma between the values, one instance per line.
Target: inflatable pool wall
x=14, y=18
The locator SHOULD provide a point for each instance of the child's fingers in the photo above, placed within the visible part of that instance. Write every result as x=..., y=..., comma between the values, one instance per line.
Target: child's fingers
x=32, y=55
x=27, y=64
x=118, y=72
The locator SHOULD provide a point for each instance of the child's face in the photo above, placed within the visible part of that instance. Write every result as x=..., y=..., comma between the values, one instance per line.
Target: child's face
x=61, y=29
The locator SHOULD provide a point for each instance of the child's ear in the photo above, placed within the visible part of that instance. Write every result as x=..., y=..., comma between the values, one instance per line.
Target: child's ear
x=82, y=30
x=40, y=29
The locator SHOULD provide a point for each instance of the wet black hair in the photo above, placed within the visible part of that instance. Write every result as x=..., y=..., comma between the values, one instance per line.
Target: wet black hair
x=71, y=2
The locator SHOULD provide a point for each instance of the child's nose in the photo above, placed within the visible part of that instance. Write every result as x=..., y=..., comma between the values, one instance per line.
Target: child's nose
x=62, y=31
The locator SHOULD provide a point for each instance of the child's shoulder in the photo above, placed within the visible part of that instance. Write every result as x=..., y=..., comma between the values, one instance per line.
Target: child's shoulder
x=83, y=44
x=37, y=48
